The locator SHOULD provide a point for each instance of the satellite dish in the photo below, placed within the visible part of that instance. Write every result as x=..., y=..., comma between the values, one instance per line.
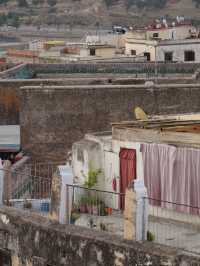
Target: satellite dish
x=140, y=114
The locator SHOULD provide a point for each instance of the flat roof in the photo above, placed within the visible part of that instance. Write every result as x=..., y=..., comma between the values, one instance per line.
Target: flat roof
x=175, y=131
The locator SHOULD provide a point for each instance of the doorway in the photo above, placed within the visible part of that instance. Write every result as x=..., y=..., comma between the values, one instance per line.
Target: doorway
x=127, y=170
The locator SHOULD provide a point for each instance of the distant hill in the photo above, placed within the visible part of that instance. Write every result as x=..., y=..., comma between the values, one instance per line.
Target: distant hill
x=94, y=12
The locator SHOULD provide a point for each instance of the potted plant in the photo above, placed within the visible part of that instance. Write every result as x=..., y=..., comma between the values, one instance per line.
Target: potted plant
x=27, y=205
x=102, y=209
x=83, y=204
x=74, y=217
x=91, y=178
x=108, y=210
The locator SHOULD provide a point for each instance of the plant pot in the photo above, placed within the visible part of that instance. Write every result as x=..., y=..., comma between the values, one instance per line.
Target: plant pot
x=109, y=211
x=83, y=208
x=95, y=210
x=89, y=209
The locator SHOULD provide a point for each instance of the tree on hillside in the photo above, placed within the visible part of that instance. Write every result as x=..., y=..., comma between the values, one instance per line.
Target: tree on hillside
x=110, y=2
x=22, y=3
x=51, y=2
x=3, y=1
x=147, y=3
x=197, y=2
x=37, y=2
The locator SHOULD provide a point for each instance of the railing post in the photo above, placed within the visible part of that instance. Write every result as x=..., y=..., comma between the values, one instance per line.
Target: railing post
x=141, y=210
x=60, y=199
x=136, y=212
x=67, y=205
x=1, y=184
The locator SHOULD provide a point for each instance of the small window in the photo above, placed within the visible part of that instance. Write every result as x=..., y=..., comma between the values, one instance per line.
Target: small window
x=80, y=155
x=92, y=52
x=189, y=56
x=148, y=56
x=5, y=258
x=155, y=35
x=168, y=57
x=133, y=52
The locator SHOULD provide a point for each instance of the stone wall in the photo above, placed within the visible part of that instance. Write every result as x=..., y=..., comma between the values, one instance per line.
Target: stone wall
x=54, y=117
x=116, y=67
x=9, y=94
x=28, y=239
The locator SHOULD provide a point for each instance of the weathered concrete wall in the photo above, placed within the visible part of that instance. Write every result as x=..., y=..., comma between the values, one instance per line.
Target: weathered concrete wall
x=52, y=118
x=116, y=67
x=9, y=94
x=30, y=239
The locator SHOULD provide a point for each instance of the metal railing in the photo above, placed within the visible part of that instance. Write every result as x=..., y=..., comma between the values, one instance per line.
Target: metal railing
x=94, y=208
x=174, y=224
x=25, y=191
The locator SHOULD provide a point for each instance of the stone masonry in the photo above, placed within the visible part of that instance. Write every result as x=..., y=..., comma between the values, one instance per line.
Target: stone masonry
x=28, y=239
x=53, y=117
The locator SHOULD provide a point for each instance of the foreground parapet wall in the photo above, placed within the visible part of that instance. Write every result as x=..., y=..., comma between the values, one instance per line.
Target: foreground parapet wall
x=27, y=239
x=52, y=118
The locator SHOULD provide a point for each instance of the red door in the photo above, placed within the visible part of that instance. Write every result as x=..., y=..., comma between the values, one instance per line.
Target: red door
x=127, y=170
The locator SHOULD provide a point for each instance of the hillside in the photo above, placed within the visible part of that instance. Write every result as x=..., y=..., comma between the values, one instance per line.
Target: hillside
x=93, y=12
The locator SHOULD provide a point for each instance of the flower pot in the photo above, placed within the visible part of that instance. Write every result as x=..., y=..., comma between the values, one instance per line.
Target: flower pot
x=83, y=208
x=89, y=209
x=109, y=211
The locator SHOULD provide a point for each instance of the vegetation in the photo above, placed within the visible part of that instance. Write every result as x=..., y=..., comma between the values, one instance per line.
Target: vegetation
x=150, y=236
x=22, y=3
x=27, y=204
x=51, y=2
x=91, y=178
x=197, y=2
x=147, y=3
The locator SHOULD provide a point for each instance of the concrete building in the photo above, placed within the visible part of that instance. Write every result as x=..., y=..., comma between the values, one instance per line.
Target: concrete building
x=81, y=51
x=177, y=42
x=117, y=40
x=36, y=45
x=187, y=50
x=22, y=56
x=163, y=152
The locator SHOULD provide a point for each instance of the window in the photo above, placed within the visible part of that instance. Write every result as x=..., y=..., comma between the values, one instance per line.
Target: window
x=80, y=155
x=168, y=56
x=5, y=258
x=92, y=51
x=133, y=52
x=148, y=56
x=189, y=56
x=155, y=35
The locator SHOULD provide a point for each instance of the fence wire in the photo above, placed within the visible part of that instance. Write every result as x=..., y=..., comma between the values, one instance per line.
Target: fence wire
x=174, y=224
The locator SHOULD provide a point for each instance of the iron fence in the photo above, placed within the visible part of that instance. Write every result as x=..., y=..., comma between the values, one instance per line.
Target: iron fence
x=97, y=209
x=25, y=191
x=174, y=224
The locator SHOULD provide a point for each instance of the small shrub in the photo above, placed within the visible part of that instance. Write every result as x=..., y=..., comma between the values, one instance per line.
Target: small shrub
x=27, y=205
x=150, y=236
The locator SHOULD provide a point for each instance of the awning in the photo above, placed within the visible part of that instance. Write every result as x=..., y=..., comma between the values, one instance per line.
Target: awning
x=10, y=138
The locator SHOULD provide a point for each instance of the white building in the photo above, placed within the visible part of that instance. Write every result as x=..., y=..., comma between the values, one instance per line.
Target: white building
x=163, y=43
x=187, y=50
x=161, y=152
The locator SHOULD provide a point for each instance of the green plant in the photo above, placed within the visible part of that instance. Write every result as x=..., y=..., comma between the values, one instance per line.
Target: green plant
x=75, y=216
x=91, y=178
x=103, y=227
x=102, y=209
x=150, y=236
x=27, y=204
